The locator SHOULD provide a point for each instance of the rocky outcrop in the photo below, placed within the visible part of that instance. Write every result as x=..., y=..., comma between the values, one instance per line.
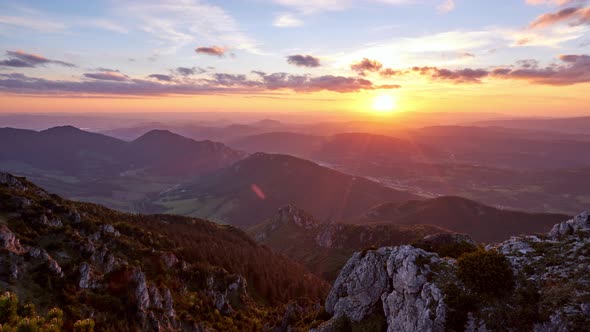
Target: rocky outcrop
x=9, y=241
x=44, y=257
x=392, y=281
x=226, y=291
x=578, y=223
x=11, y=181
x=142, y=294
x=408, y=286
x=87, y=278
x=154, y=309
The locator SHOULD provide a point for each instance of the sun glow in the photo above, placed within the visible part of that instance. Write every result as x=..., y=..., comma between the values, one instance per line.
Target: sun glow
x=384, y=104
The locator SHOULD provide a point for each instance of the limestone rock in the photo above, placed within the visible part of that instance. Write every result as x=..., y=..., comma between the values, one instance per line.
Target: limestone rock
x=358, y=288
x=11, y=181
x=226, y=289
x=9, y=241
x=42, y=255
x=87, y=279
x=142, y=294
x=578, y=223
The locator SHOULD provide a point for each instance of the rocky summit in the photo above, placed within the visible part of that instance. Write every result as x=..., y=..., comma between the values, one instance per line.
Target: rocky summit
x=537, y=283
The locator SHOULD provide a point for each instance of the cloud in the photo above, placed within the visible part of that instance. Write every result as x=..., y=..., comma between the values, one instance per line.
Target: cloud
x=107, y=76
x=33, y=23
x=185, y=71
x=302, y=60
x=161, y=77
x=22, y=59
x=314, y=6
x=211, y=50
x=114, y=83
x=388, y=72
x=177, y=24
x=573, y=15
x=102, y=24
x=446, y=6
x=548, y=2
x=573, y=69
x=466, y=75
x=287, y=20
x=366, y=65
x=306, y=83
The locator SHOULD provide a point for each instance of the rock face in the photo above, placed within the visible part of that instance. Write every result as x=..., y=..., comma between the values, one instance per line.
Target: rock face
x=226, y=291
x=407, y=286
x=389, y=280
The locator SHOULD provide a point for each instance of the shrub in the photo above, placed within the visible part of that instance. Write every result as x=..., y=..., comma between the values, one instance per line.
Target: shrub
x=487, y=273
x=8, y=308
x=86, y=325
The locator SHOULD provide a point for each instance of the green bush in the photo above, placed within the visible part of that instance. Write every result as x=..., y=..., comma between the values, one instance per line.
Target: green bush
x=486, y=273
x=8, y=308
x=24, y=318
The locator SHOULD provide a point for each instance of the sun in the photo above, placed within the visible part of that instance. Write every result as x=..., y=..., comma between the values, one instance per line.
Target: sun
x=384, y=103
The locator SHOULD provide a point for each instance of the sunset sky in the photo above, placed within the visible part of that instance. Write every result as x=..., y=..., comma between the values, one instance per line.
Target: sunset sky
x=521, y=57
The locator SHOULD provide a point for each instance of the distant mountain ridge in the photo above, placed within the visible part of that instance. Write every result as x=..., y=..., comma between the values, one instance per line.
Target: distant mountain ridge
x=483, y=223
x=76, y=152
x=252, y=189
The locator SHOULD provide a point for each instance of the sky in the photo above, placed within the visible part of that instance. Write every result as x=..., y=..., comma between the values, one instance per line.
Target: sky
x=520, y=57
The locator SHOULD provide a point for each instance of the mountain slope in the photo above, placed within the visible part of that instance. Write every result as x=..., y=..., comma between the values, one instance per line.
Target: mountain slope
x=254, y=188
x=325, y=248
x=483, y=223
x=138, y=272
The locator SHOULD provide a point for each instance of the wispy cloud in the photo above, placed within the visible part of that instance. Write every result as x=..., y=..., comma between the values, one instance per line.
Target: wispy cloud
x=22, y=59
x=177, y=24
x=572, y=15
x=549, y=2
x=33, y=23
x=106, y=75
x=446, y=6
x=287, y=20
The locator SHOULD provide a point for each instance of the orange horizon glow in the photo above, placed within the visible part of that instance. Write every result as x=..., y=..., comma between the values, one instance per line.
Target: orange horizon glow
x=511, y=98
